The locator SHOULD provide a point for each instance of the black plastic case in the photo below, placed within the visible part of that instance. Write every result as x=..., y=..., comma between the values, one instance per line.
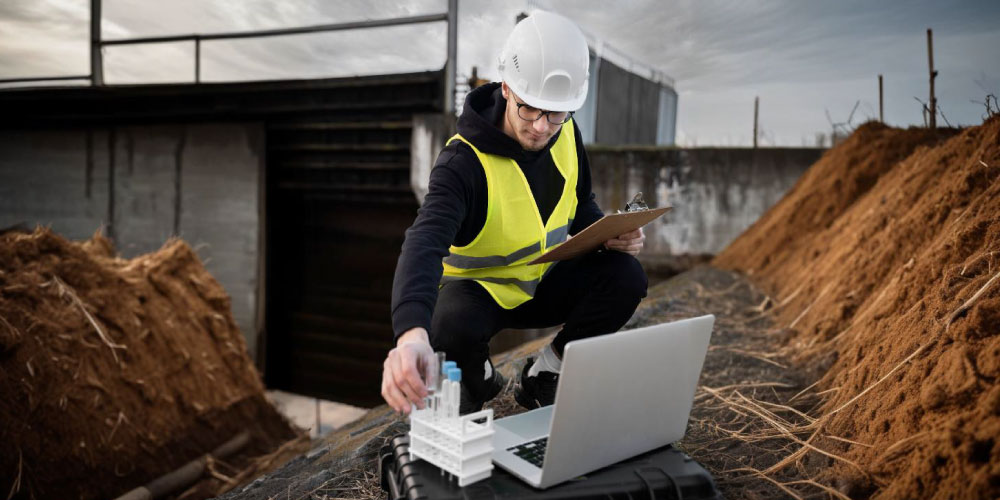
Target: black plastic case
x=662, y=473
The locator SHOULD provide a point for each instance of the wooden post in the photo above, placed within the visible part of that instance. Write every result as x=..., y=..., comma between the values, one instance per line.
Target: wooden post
x=932, y=104
x=756, y=105
x=881, y=108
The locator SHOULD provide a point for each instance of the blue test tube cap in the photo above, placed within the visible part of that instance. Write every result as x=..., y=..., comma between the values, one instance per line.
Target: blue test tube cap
x=455, y=374
x=448, y=365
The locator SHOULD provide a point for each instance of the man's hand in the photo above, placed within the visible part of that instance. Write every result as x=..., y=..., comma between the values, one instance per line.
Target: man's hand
x=630, y=243
x=405, y=370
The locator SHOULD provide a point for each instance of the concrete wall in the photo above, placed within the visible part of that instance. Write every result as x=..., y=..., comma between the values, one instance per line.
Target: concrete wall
x=716, y=192
x=430, y=133
x=46, y=178
x=145, y=184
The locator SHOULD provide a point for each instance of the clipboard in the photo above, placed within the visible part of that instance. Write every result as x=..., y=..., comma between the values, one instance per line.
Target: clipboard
x=606, y=228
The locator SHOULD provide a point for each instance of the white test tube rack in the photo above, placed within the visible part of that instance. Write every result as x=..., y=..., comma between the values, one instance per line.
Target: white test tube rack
x=458, y=445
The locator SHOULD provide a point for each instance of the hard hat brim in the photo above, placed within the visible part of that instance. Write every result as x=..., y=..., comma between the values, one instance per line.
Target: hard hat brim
x=547, y=105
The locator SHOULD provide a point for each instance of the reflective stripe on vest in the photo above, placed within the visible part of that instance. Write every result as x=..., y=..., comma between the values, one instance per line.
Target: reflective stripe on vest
x=553, y=237
x=513, y=233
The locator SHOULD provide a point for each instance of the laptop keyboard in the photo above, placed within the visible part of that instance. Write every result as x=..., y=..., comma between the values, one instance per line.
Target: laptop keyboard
x=532, y=451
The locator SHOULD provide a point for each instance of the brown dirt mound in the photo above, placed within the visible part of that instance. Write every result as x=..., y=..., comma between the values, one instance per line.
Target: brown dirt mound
x=823, y=193
x=884, y=261
x=114, y=372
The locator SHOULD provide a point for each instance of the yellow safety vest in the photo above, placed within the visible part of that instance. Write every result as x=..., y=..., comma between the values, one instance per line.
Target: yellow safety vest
x=513, y=234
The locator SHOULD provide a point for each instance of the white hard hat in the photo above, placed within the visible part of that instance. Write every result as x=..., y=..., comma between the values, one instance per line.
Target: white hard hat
x=545, y=61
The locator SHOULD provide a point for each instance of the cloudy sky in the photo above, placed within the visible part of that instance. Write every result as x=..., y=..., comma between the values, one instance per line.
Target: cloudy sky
x=803, y=58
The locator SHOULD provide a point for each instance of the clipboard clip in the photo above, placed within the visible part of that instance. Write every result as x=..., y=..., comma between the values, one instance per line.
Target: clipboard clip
x=636, y=204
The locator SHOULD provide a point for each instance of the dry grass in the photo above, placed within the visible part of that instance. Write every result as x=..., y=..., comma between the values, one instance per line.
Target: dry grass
x=752, y=425
x=65, y=291
x=972, y=300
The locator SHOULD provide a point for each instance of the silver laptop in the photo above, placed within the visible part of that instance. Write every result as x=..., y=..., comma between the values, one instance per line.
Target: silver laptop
x=619, y=395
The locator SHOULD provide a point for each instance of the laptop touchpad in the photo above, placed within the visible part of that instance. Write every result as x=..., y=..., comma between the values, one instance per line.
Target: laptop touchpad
x=532, y=424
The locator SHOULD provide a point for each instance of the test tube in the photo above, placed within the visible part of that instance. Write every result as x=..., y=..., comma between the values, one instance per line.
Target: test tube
x=432, y=379
x=433, y=373
x=440, y=367
x=454, y=391
x=444, y=399
x=443, y=395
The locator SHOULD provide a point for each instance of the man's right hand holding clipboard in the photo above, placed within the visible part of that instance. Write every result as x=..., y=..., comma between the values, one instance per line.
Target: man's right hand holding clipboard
x=630, y=242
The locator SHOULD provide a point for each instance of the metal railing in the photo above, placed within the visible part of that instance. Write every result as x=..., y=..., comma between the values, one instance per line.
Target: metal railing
x=96, y=75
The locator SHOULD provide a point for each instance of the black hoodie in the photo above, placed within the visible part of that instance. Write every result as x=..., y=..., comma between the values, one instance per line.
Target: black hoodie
x=454, y=209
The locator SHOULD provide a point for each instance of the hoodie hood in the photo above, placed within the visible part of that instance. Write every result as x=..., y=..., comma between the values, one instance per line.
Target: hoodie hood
x=478, y=124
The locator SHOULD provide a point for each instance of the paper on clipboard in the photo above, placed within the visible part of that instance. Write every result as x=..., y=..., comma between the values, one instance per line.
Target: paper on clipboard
x=608, y=227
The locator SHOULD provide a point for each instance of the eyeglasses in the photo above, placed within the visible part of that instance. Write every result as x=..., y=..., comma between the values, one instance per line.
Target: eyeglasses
x=528, y=113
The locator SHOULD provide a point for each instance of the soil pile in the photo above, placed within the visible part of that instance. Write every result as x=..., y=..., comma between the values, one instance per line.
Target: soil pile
x=114, y=372
x=799, y=222
x=884, y=265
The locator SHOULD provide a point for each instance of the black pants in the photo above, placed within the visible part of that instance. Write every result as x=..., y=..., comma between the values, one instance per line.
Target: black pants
x=591, y=295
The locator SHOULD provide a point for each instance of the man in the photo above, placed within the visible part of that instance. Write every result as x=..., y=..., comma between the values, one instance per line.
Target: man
x=513, y=182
